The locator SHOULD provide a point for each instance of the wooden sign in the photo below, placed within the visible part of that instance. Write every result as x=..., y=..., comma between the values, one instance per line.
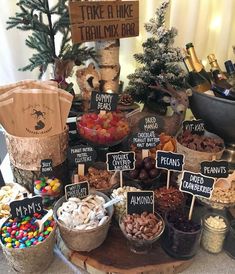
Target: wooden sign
x=150, y=123
x=140, y=201
x=197, y=184
x=26, y=207
x=104, y=101
x=120, y=161
x=145, y=139
x=169, y=160
x=47, y=168
x=103, y=20
x=81, y=154
x=195, y=126
x=216, y=169
x=79, y=190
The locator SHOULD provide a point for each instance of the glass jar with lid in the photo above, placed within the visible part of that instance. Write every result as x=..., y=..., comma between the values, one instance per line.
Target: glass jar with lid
x=214, y=231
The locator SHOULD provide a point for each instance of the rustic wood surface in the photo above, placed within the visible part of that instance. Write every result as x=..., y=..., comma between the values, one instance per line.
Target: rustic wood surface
x=114, y=256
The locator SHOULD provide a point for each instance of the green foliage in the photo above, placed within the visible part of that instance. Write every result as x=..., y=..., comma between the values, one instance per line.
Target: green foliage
x=45, y=23
x=158, y=57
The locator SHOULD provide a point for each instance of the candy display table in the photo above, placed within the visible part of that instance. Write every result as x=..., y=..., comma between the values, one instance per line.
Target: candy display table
x=114, y=256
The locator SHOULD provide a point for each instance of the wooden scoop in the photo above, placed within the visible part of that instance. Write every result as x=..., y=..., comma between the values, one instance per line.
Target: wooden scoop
x=225, y=183
x=40, y=222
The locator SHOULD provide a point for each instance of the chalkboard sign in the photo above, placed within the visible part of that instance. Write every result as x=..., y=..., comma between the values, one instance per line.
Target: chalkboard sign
x=150, y=123
x=216, y=169
x=169, y=160
x=197, y=184
x=26, y=207
x=47, y=168
x=79, y=190
x=120, y=161
x=145, y=139
x=140, y=201
x=195, y=126
x=81, y=154
x=103, y=20
x=104, y=101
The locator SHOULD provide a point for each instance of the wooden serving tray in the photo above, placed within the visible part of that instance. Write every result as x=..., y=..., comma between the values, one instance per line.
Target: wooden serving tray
x=114, y=256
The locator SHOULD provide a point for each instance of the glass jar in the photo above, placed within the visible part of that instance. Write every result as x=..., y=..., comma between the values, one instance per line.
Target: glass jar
x=229, y=244
x=212, y=234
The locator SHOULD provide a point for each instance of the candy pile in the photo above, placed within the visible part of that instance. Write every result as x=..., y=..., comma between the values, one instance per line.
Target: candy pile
x=25, y=233
x=82, y=214
x=121, y=192
x=145, y=226
x=168, y=199
x=200, y=142
x=214, y=233
x=8, y=193
x=97, y=178
x=45, y=186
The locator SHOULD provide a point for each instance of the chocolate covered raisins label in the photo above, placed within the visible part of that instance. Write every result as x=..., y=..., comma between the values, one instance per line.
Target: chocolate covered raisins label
x=120, y=161
x=140, y=201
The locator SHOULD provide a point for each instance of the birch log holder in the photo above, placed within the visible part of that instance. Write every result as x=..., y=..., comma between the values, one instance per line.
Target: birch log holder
x=34, y=119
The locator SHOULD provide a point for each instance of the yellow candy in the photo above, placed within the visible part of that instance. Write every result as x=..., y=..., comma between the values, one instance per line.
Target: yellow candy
x=24, y=222
x=9, y=245
x=38, y=187
x=30, y=233
x=35, y=233
x=54, y=188
x=8, y=240
x=52, y=183
x=49, y=229
x=17, y=243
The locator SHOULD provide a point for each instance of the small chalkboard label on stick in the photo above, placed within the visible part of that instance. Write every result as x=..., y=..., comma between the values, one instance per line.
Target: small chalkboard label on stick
x=170, y=161
x=140, y=201
x=145, y=139
x=149, y=123
x=215, y=169
x=104, y=101
x=46, y=167
x=79, y=190
x=120, y=161
x=194, y=126
x=26, y=207
x=81, y=154
x=197, y=185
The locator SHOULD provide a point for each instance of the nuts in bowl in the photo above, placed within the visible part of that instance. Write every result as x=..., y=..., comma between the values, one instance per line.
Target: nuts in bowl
x=141, y=230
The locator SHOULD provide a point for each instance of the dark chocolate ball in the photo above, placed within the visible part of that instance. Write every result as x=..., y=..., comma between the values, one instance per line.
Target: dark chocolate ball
x=153, y=173
x=143, y=175
x=134, y=174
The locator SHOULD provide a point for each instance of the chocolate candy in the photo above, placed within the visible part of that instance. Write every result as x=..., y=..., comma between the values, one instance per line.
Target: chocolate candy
x=23, y=233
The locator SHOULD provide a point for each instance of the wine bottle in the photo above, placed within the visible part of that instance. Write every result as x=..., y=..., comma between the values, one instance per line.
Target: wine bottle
x=219, y=80
x=226, y=93
x=195, y=61
x=231, y=72
x=215, y=66
x=195, y=79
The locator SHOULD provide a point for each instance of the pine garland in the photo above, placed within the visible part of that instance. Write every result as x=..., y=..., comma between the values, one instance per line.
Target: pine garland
x=38, y=17
x=159, y=56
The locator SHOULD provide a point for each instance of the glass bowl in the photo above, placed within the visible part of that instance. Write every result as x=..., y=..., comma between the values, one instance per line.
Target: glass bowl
x=141, y=246
x=105, y=130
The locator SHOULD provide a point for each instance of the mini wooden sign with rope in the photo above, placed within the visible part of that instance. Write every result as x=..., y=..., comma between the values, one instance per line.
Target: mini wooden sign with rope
x=103, y=20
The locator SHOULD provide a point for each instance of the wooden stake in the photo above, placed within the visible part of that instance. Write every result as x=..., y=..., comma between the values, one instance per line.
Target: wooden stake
x=121, y=179
x=145, y=153
x=168, y=179
x=75, y=179
x=81, y=169
x=191, y=208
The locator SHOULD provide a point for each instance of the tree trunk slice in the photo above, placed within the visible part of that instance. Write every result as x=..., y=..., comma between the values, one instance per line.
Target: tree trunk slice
x=27, y=152
x=114, y=256
x=26, y=178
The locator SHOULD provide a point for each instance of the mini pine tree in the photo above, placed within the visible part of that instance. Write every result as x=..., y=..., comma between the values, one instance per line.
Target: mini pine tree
x=45, y=23
x=158, y=57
